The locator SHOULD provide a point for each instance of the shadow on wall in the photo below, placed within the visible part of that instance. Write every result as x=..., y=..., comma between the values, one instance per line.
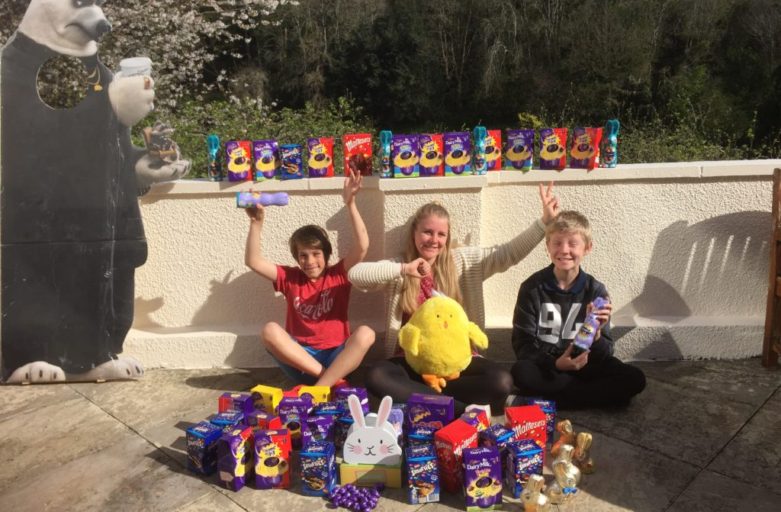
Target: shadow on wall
x=247, y=299
x=704, y=269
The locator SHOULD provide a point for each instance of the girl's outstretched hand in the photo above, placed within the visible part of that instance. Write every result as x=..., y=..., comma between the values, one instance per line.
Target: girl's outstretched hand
x=550, y=203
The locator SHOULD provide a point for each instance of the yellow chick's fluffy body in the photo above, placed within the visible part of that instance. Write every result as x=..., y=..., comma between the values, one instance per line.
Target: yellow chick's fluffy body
x=437, y=341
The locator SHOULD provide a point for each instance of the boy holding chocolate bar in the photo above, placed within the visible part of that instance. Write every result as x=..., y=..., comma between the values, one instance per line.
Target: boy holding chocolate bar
x=316, y=346
x=551, y=308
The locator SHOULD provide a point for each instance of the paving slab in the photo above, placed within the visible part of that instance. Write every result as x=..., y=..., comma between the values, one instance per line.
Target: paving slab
x=685, y=424
x=754, y=455
x=163, y=395
x=16, y=400
x=211, y=502
x=121, y=446
x=127, y=474
x=35, y=441
x=743, y=380
x=711, y=492
x=629, y=477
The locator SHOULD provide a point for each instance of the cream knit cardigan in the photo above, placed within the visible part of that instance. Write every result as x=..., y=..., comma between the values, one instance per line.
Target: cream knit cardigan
x=473, y=264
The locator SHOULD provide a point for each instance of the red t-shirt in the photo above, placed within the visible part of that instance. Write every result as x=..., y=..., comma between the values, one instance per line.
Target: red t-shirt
x=316, y=311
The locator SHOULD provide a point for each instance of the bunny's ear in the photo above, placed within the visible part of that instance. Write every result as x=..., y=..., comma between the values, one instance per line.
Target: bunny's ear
x=384, y=411
x=356, y=410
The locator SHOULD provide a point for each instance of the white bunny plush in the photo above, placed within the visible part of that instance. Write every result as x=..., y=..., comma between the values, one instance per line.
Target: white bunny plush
x=371, y=439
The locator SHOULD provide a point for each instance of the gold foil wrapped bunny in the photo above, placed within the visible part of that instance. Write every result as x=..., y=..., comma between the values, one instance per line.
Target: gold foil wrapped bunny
x=532, y=498
x=581, y=455
x=566, y=436
x=567, y=477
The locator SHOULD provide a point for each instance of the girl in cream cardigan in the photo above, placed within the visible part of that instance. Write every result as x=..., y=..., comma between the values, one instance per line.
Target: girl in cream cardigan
x=430, y=263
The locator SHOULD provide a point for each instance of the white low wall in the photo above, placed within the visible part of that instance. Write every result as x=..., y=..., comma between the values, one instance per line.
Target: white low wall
x=682, y=248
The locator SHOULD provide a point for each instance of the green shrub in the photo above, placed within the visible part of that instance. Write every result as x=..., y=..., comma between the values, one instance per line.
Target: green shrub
x=251, y=120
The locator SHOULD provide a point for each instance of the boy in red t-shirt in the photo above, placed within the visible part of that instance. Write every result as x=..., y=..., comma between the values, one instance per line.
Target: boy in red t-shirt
x=316, y=346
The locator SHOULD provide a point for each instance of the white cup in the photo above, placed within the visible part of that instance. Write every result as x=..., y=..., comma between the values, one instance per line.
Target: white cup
x=134, y=66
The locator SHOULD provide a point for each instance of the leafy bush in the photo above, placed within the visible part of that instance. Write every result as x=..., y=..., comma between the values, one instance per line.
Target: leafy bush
x=247, y=119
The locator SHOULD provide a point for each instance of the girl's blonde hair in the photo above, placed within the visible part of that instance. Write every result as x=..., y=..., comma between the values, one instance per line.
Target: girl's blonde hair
x=444, y=268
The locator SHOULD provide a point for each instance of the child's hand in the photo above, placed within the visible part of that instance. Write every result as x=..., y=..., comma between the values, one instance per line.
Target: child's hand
x=416, y=268
x=566, y=363
x=256, y=213
x=603, y=315
x=352, y=184
x=550, y=203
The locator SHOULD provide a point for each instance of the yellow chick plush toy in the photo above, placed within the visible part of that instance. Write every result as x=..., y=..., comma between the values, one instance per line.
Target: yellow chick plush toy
x=437, y=341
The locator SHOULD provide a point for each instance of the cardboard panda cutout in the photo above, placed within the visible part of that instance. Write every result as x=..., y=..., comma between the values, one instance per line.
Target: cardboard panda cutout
x=72, y=234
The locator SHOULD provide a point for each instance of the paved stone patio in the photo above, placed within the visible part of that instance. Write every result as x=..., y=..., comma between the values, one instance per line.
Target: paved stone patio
x=704, y=436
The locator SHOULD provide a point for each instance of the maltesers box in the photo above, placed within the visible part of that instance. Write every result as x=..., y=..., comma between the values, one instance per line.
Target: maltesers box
x=357, y=153
x=549, y=408
x=482, y=478
x=235, y=459
x=450, y=442
x=524, y=458
x=272, y=459
x=528, y=422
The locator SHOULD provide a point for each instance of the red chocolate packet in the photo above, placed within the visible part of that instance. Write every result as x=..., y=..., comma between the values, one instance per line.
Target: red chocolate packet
x=357, y=153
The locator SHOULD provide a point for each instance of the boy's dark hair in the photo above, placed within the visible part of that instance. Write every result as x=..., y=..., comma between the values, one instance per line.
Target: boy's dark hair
x=310, y=237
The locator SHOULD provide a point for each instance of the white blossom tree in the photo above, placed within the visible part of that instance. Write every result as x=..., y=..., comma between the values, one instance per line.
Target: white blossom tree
x=182, y=38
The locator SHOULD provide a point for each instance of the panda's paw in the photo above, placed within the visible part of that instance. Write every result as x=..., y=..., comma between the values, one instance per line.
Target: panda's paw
x=37, y=372
x=123, y=368
x=150, y=170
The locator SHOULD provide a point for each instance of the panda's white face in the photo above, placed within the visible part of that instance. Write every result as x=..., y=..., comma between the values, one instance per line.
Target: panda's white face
x=69, y=27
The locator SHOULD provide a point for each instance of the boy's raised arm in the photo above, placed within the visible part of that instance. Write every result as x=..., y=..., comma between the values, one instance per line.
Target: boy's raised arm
x=360, y=245
x=252, y=253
